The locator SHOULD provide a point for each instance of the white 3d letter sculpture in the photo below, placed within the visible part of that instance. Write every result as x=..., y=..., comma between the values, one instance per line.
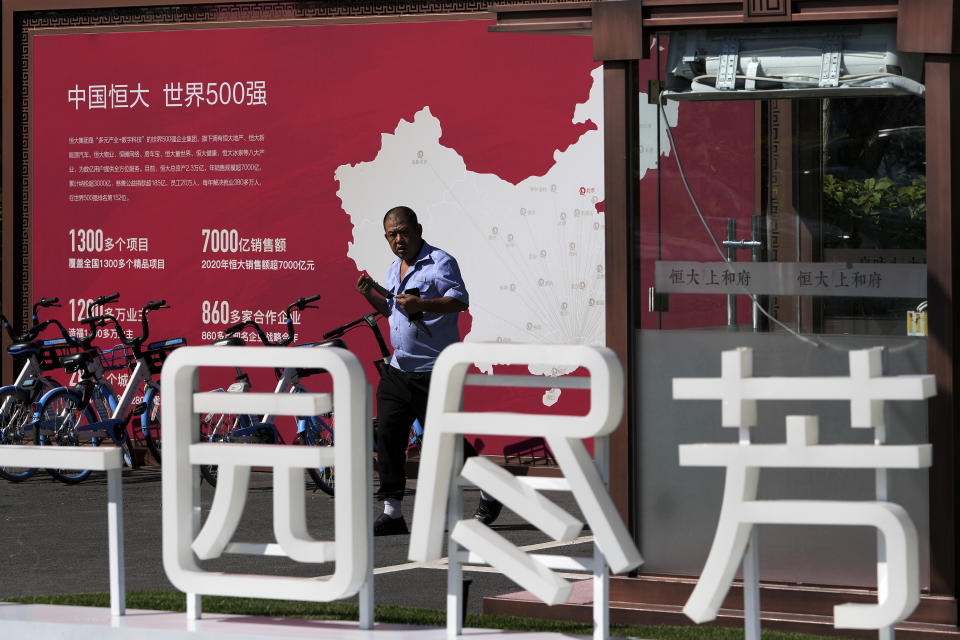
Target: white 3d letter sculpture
x=183, y=544
x=441, y=462
x=866, y=390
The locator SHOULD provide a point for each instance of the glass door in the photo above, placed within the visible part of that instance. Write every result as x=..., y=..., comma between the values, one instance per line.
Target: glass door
x=792, y=223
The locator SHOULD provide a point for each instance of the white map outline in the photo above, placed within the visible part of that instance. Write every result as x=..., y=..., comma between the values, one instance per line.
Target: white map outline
x=532, y=254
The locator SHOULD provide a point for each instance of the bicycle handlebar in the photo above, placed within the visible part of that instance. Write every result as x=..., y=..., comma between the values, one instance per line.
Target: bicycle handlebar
x=370, y=319
x=34, y=331
x=153, y=305
x=44, y=302
x=63, y=331
x=235, y=328
x=102, y=320
x=102, y=300
x=339, y=331
x=299, y=303
x=93, y=321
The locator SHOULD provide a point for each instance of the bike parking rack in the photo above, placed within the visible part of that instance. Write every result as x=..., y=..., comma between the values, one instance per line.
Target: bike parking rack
x=107, y=459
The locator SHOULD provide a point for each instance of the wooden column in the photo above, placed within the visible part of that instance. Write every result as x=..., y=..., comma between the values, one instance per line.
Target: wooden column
x=8, y=203
x=619, y=42
x=620, y=120
x=931, y=27
x=942, y=79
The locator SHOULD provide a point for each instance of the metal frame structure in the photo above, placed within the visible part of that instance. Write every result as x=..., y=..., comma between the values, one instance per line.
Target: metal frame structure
x=107, y=459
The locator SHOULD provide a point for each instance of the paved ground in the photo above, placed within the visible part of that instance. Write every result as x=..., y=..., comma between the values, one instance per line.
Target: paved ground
x=54, y=540
x=46, y=622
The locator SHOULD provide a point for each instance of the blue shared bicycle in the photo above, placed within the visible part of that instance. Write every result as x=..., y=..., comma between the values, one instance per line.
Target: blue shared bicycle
x=16, y=400
x=311, y=430
x=315, y=431
x=90, y=412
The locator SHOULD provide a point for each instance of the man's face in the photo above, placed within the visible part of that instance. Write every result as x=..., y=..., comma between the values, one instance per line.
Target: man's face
x=404, y=238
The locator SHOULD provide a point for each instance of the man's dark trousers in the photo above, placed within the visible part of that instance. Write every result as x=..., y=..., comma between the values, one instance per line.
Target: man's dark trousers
x=401, y=398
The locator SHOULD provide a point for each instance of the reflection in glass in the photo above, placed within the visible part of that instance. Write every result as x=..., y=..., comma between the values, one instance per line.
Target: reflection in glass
x=783, y=184
x=795, y=182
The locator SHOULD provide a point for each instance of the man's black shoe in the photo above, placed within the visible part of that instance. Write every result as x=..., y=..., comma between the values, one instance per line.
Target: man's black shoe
x=488, y=511
x=387, y=526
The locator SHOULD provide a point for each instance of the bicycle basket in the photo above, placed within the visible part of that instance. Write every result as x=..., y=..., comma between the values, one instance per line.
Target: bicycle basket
x=49, y=353
x=157, y=352
x=115, y=357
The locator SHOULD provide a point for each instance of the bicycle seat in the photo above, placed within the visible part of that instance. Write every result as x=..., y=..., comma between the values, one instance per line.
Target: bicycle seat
x=24, y=349
x=77, y=361
x=337, y=343
x=229, y=341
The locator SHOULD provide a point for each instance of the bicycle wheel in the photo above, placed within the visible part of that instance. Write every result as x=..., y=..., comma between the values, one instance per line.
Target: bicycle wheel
x=61, y=421
x=16, y=416
x=135, y=436
x=215, y=427
x=150, y=422
x=318, y=433
x=103, y=405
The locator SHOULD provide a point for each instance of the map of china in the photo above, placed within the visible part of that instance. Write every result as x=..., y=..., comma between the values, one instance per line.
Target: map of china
x=532, y=253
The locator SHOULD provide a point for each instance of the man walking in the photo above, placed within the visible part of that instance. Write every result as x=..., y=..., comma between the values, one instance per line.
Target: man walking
x=428, y=293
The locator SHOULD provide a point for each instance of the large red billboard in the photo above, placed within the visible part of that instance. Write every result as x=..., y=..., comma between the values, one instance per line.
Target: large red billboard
x=233, y=170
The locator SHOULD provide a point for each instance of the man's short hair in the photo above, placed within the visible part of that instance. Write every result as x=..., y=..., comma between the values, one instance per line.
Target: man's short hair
x=405, y=213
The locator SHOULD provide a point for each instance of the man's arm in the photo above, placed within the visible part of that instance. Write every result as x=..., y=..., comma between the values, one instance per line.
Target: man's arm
x=412, y=304
x=364, y=288
x=449, y=283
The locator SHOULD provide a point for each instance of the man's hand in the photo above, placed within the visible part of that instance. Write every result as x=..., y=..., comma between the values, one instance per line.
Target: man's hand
x=365, y=288
x=410, y=304
x=363, y=284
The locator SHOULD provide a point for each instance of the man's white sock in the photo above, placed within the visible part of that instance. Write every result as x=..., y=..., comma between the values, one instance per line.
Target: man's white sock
x=391, y=507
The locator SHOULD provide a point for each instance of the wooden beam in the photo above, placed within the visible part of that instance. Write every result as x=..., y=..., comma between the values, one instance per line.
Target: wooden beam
x=622, y=22
x=557, y=18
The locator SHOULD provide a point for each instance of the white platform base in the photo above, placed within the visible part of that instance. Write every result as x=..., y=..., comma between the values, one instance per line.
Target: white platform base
x=43, y=622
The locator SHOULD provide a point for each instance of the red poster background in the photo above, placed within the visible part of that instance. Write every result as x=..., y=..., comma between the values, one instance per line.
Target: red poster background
x=505, y=103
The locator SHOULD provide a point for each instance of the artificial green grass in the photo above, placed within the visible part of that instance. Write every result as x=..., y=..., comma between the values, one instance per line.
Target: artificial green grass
x=175, y=601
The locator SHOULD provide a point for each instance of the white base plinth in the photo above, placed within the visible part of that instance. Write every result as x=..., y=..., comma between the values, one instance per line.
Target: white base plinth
x=43, y=622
